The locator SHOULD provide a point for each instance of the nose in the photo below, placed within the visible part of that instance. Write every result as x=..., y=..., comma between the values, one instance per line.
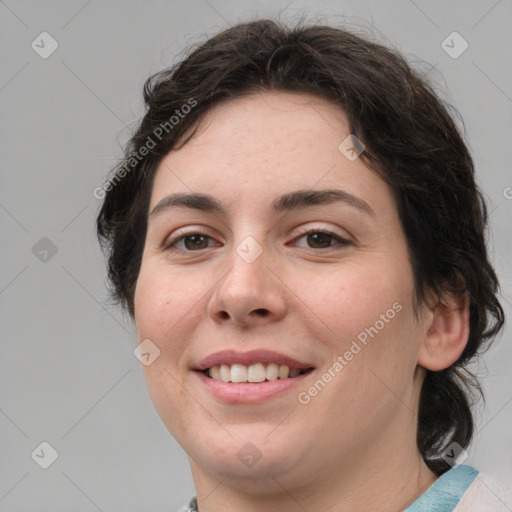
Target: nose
x=250, y=292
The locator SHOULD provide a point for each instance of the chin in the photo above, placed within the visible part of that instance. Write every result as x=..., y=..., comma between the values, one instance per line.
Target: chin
x=248, y=461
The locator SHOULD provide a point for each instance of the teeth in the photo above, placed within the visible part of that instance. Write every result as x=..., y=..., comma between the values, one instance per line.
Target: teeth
x=256, y=373
x=215, y=373
x=238, y=373
x=225, y=373
x=294, y=372
x=284, y=371
x=272, y=371
x=252, y=373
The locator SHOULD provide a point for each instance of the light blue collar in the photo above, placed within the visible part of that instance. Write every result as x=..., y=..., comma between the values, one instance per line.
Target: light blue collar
x=444, y=494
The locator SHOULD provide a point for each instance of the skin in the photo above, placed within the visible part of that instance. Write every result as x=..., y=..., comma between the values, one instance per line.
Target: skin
x=353, y=445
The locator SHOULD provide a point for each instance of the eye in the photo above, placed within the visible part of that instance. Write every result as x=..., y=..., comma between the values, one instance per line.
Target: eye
x=192, y=242
x=323, y=238
x=320, y=238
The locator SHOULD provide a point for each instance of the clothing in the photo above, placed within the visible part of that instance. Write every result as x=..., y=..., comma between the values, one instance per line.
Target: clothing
x=191, y=507
x=460, y=489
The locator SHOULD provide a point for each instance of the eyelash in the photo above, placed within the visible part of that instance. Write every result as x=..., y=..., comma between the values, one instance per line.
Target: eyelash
x=341, y=241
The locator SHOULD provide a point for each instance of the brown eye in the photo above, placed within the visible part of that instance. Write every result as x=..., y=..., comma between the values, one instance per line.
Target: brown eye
x=319, y=238
x=196, y=241
x=322, y=239
x=191, y=242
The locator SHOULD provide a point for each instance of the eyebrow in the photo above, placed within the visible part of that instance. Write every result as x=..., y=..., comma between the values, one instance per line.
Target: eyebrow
x=296, y=200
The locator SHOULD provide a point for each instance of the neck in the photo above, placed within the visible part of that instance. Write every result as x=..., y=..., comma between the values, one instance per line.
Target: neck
x=387, y=483
x=379, y=469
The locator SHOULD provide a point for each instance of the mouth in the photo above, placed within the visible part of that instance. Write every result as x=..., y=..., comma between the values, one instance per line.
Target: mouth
x=258, y=372
x=249, y=377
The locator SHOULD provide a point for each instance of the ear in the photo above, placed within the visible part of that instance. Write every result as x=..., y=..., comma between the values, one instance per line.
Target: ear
x=447, y=332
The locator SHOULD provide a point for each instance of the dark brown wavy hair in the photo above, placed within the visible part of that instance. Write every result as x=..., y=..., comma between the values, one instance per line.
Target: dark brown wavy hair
x=411, y=141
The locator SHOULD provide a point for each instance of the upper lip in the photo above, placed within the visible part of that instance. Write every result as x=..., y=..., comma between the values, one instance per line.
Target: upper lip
x=250, y=357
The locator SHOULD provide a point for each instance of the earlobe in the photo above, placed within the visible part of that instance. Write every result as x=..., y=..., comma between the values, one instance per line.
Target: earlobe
x=446, y=333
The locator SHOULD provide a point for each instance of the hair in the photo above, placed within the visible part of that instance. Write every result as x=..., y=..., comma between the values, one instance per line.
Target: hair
x=411, y=142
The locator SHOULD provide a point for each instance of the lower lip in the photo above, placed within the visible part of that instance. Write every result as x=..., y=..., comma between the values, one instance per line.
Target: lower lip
x=250, y=392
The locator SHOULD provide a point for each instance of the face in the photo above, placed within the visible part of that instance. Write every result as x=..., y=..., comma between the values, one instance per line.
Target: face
x=264, y=287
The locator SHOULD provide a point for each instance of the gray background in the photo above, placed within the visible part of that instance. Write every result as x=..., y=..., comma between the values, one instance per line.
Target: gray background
x=68, y=375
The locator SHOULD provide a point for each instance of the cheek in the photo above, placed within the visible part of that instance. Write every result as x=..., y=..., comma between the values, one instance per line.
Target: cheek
x=368, y=312
x=168, y=394
x=162, y=304
x=159, y=305
x=162, y=298
x=350, y=299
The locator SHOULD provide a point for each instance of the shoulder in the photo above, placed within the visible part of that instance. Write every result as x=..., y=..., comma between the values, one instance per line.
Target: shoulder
x=191, y=506
x=487, y=493
x=464, y=489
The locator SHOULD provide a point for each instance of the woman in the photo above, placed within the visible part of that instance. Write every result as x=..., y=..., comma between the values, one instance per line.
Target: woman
x=297, y=233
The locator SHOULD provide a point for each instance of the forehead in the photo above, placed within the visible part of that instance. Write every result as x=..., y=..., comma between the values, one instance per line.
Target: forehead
x=268, y=124
x=259, y=146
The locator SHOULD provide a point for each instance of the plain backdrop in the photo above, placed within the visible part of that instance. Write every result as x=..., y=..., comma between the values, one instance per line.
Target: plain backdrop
x=68, y=375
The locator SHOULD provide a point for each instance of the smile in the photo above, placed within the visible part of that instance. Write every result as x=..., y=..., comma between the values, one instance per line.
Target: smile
x=258, y=372
x=249, y=377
